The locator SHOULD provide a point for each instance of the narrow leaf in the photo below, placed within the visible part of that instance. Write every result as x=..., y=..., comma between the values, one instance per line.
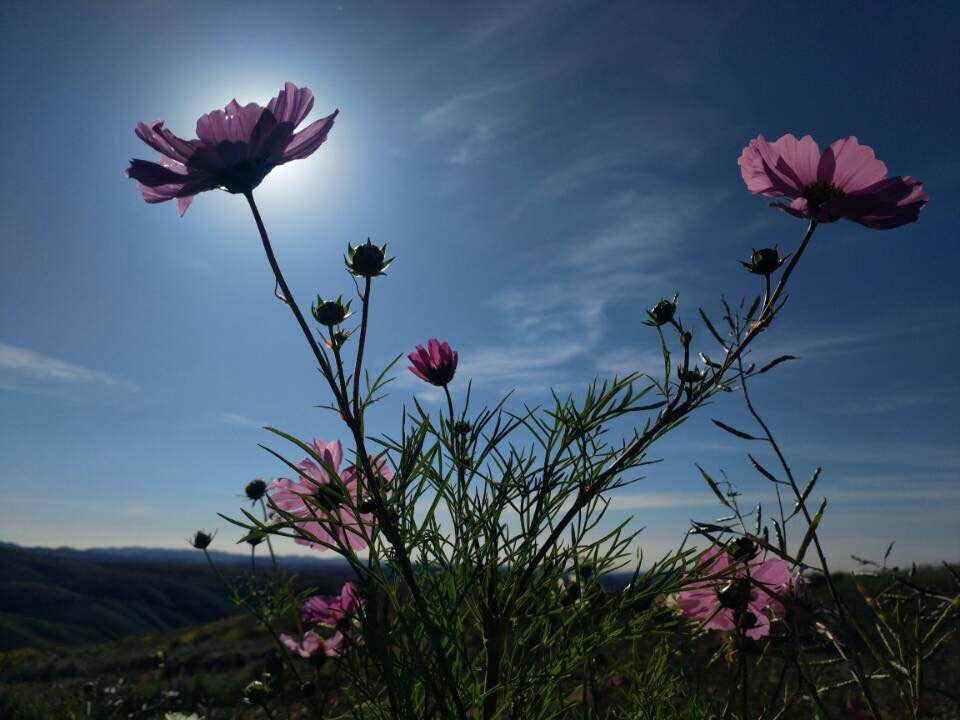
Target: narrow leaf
x=776, y=361
x=713, y=486
x=812, y=530
x=733, y=431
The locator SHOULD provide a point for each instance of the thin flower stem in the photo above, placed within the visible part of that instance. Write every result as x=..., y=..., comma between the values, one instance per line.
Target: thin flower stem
x=341, y=378
x=671, y=413
x=356, y=426
x=856, y=666
x=273, y=557
x=365, y=301
x=288, y=295
x=243, y=603
x=455, y=447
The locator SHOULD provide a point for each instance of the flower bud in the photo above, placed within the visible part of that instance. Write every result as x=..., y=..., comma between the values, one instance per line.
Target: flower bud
x=461, y=427
x=735, y=594
x=742, y=549
x=256, y=693
x=764, y=261
x=330, y=312
x=338, y=340
x=663, y=312
x=367, y=260
x=201, y=540
x=255, y=489
x=691, y=376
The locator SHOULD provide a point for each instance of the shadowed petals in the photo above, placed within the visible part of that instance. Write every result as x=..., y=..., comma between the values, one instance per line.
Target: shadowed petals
x=855, y=166
x=292, y=104
x=235, y=149
x=845, y=181
x=309, y=139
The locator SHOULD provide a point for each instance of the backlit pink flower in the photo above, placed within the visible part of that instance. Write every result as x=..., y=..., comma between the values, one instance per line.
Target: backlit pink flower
x=235, y=148
x=436, y=363
x=332, y=610
x=319, y=500
x=844, y=181
x=752, y=592
x=313, y=644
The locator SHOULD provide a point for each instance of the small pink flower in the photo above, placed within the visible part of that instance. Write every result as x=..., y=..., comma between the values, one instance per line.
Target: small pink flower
x=317, y=499
x=332, y=611
x=617, y=681
x=844, y=181
x=436, y=363
x=752, y=592
x=313, y=644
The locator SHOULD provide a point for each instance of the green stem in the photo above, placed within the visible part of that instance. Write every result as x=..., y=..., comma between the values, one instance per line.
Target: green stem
x=671, y=413
x=390, y=530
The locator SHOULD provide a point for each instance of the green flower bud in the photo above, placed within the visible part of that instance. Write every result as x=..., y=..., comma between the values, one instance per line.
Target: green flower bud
x=201, y=540
x=663, y=312
x=256, y=693
x=735, y=594
x=764, y=261
x=742, y=549
x=367, y=260
x=255, y=489
x=330, y=312
x=691, y=376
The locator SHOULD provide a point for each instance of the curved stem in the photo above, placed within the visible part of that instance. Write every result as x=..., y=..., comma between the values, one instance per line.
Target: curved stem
x=273, y=558
x=287, y=294
x=365, y=300
x=390, y=530
x=671, y=413
x=854, y=661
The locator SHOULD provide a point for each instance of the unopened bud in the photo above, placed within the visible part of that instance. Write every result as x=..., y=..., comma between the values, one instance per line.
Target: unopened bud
x=367, y=260
x=330, y=312
x=255, y=489
x=764, y=261
x=201, y=540
x=256, y=693
x=663, y=312
x=742, y=549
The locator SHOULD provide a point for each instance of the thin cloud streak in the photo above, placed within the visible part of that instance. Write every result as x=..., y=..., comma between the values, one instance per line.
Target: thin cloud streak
x=35, y=366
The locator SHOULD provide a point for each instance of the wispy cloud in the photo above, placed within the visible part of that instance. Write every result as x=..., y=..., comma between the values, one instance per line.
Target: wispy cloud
x=236, y=419
x=502, y=19
x=472, y=123
x=554, y=327
x=22, y=363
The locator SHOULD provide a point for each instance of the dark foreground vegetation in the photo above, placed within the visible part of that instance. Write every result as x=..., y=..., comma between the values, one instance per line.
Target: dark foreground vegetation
x=672, y=673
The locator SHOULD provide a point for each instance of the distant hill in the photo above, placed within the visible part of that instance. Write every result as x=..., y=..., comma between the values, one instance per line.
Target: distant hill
x=74, y=597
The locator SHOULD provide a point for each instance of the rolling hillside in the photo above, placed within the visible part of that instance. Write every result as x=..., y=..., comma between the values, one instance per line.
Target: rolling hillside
x=70, y=597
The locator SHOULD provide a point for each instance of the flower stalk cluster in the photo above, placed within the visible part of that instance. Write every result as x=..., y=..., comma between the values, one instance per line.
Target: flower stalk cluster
x=480, y=591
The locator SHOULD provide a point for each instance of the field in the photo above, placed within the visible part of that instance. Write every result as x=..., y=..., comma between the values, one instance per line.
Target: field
x=195, y=666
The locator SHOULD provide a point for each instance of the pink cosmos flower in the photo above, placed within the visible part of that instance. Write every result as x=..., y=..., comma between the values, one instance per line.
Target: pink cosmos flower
x=235, y=148
x=318, y=499
x=844, y=181
x=314, y=644
x=332, y=611
x=755, y=589
x=436, y=365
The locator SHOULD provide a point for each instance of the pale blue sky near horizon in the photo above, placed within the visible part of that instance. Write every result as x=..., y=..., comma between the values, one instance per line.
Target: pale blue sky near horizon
x=542, y=170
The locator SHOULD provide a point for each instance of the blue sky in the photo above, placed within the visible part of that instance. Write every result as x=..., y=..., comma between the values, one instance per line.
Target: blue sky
x=543, y=171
